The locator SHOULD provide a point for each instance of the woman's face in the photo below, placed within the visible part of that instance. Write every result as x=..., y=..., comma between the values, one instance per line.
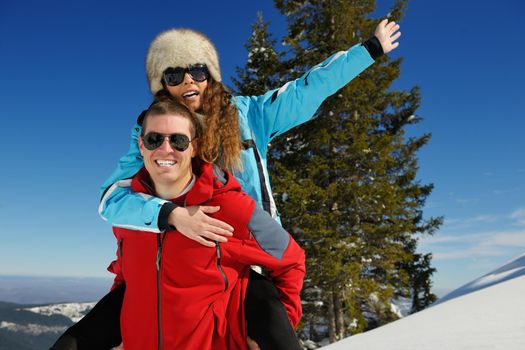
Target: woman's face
x=190, y=91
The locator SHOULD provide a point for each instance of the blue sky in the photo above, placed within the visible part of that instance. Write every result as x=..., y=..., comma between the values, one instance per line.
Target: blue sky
x=72, y=83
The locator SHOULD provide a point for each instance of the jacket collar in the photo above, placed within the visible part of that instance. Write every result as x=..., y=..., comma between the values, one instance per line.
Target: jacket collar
x=207, y=184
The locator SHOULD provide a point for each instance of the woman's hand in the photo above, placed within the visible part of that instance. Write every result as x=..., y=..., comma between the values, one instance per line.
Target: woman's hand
x=252, y=345
x=386, y=34
x=193, y=223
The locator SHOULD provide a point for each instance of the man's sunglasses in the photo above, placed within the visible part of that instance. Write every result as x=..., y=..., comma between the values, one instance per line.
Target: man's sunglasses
x=175, y=76
x=153, y=140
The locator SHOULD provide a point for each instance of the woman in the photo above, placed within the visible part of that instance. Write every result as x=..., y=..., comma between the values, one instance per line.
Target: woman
x=183, y=63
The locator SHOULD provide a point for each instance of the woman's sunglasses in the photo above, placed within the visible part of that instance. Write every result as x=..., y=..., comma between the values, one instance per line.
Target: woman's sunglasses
x=175, y=76
x=153, y=140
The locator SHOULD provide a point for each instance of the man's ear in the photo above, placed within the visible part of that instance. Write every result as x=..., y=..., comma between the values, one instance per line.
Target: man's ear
x=195, y=147
x=141, y=146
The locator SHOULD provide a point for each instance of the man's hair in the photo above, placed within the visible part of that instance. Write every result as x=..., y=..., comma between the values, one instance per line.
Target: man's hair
x=167, y=106
x=221, y=138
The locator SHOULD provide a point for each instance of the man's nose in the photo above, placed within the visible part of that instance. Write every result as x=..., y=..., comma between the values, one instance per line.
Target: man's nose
x=165, y=146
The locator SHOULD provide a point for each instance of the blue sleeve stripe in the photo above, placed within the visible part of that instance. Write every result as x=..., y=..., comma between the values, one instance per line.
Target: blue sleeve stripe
x=330, y=60
x=282, y=89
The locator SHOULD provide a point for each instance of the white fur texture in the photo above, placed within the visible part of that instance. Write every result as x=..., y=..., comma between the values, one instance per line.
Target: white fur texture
x=179, y=48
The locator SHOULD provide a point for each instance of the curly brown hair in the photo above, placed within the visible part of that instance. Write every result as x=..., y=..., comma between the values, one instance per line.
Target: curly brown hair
x=221, y=140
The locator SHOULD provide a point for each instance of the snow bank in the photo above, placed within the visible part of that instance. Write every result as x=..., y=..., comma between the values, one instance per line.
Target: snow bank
x=31, y=328
x=488, y=313
x=75, y=311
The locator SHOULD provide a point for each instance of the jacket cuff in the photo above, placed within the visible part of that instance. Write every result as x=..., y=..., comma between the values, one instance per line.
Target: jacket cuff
x=373, y=47
x=164, y=214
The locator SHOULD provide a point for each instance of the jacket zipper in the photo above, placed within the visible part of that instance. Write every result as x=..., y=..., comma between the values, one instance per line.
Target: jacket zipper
x=218, y=250
x=160, y=243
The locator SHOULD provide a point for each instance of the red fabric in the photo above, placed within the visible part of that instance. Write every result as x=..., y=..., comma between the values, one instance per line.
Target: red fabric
x=197, y=311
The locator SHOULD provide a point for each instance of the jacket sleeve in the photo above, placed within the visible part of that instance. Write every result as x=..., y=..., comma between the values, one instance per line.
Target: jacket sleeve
x=297, y=101
x=272, y=247
x=122, y=207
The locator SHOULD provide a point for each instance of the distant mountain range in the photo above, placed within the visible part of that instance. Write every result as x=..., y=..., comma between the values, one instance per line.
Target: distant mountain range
x=36, y=327
x=34, y=311
x=47, y=290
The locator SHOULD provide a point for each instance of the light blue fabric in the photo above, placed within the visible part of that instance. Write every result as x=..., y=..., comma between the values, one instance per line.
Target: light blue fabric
x=261, y=118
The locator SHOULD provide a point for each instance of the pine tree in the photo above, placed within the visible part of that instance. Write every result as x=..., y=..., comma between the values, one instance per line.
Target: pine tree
x=345, y=183
x=261, y=72
x=420, y=282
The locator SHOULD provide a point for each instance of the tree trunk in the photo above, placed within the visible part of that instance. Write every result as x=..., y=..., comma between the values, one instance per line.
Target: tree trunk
x=332, y=332
x=312, y=331
x=339, y=315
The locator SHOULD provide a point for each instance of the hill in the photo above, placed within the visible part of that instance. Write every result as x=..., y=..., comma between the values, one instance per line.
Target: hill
x=486, y=313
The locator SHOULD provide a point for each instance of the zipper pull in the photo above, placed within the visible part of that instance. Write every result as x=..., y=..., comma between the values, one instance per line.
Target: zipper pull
x=218, y=249
x=159, y=251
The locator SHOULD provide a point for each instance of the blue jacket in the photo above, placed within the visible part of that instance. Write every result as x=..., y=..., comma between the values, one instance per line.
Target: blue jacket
x=261, y=118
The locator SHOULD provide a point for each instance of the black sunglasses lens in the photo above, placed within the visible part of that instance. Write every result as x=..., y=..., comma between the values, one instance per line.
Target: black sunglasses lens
x=199, y=73
x=179, y=142
x=152, y=140
x=174, y=76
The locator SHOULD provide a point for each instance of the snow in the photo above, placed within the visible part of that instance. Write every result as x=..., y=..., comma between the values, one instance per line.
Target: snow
x=75, y=311
x=487, y=313
x=401, y=307
x=31, y=328
x=495, y=278
x=511, y=270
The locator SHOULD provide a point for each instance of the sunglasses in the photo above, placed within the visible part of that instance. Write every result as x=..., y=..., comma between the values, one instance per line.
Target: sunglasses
x=175, y=76
x=153, y=140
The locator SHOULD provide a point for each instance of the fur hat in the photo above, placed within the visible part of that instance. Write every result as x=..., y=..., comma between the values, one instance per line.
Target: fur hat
x=179, y=48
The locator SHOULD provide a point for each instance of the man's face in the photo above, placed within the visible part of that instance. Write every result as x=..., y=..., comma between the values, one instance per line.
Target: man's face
x=166, y=165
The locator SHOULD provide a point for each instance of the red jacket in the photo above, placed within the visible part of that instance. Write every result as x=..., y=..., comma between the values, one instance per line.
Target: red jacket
x=183, y=295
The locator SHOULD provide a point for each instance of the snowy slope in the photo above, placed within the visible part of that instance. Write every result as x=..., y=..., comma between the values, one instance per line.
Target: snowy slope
x=74, y=311
x=19, y=320
x=488, y=313
x=513, y=269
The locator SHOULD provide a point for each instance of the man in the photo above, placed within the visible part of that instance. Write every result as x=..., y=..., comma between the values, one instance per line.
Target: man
x=179, y=293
